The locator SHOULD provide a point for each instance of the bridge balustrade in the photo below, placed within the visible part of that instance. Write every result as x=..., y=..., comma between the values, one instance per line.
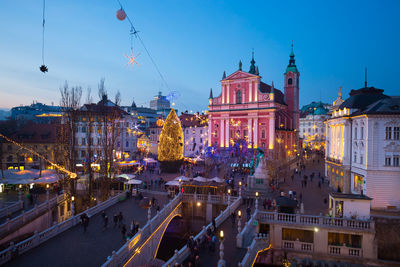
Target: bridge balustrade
x=184, y=252
x=136, y=244
x=17, y=222
x=39, y=238
x=213, y=199
x=11, y=208
x=260, y=243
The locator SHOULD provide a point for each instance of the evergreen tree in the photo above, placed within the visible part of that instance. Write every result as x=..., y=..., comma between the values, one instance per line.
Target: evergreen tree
x=170, y=146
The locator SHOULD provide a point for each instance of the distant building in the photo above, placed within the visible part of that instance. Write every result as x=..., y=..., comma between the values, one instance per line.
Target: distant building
x=195, y=133
x=37, y=112
x=363, y=147
x=41, y=138
x=161, y=105
x=312, y=127
x=145, y=116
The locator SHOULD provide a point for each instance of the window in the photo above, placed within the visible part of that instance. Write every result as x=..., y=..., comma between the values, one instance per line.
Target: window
x=231, y=133
x=387, y=161
x=245, y=133
x=263, y=134
x=388, y=133
x=201, y=131
x=396, y=160
x=362, y=132
x=290, y=81
x=357, y=184
x=361, y=159
x=187, y=131
x=316, y=130
x=83, y=129
x=201, y=140
x=355, y=157
x=309, y=130
x=263, y=145
x=396, y=133
x=216, y=133
x=239, y=97
x=309, y=123
x=83, y=141
x=355, y=133
x=127, y=144
x=304, y=130
x=83, y=154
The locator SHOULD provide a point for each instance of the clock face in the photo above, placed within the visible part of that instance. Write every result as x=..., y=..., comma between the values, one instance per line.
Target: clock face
x=266, y=97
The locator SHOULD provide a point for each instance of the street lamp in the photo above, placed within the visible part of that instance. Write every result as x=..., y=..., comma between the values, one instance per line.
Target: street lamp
x=72, y=205
x=47, y=192
x=256, y=200
x=221, y=261
x=239, y=221
x=229, y=197
x=240, y=188
x=19, y=192
x=180, y=182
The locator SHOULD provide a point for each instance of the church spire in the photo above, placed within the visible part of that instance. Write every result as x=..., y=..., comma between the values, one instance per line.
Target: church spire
x=240, y=65
x=224, y=76
x=252, y=64
x=292, y=63
x=211, y=94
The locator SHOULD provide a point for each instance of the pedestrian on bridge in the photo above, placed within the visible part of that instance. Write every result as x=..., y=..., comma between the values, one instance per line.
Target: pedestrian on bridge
x=120, y=219
x=248, y=213
x=105, y=223
x=115, y=220
x=123, y=232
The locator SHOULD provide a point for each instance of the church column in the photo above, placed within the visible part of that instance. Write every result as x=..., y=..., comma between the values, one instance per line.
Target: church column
x=250, y=91
x=223, y=94
x=271, y=131
x=227, y=94
x=227, y=133
x=255, y=133
x=209, y=131
x=250, y=126
x=255, y=92
x=221, y=132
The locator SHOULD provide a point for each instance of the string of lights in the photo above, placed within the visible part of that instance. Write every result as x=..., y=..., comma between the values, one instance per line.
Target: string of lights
x=55, y=165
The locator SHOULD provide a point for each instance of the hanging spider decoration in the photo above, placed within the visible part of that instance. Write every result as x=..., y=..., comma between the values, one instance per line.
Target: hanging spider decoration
x=43, y=68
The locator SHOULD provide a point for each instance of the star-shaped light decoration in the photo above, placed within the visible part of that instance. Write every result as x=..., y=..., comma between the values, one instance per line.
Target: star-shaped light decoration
x=132, y=59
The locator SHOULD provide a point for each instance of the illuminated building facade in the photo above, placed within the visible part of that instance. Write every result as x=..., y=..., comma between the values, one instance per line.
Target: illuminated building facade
x=363, y=147
x=195, y=133
x=312, y=126
x=37, y=112
x=252, y=114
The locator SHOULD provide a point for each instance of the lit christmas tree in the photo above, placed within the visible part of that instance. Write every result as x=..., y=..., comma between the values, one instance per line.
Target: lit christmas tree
x=170, y=146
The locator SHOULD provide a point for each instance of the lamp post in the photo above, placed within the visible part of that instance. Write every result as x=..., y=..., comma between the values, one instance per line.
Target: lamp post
x=72, y=206
x=221, y=261
x=47, y=192
x=229, y=197
x=180, y=185
x=239, y=221
x=19, y=192
x=240, y=188
x=256, y=201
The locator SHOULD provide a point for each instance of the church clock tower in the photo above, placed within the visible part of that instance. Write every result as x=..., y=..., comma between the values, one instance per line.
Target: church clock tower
x=292, y=90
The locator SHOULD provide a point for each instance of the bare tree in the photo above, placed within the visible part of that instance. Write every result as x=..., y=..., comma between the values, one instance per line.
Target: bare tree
x=70, y=103
x=89, y=98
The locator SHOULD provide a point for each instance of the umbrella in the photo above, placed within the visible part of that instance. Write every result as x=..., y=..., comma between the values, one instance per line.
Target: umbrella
x=217, y=179
x=126, y=176
x=134, y=181
x=183, y=178
x=172, y=183
x=201, y=179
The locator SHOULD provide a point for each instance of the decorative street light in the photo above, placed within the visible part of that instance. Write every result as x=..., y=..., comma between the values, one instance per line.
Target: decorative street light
x=180, y=182
x=229, y=197
x=256, y=200
x=239, y=221
x=72, y=206
x=240, y=188
x=19, y=192
x=221, y=261
x=47, y=192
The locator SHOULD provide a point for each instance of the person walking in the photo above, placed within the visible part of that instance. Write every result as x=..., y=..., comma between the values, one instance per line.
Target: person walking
x=123, y=232
x=248, y=213
x=120, y=219
x=105, y=223
x=115, y=220
x=233, y=218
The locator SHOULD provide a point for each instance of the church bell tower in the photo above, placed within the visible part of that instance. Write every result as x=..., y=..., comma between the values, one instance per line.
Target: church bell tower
x=292, y=89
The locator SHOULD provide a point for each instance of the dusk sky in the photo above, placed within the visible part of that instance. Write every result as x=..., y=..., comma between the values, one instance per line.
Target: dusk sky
x=193, y=42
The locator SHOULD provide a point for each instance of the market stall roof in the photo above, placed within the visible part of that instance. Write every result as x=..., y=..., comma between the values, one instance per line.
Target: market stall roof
x=126, y=176
x=183, y=178
x=218, y=180
x=172, y=183
x=128, y=163
x=134, y=181
x=150, y=160
x=30, y=176
x=201, y=179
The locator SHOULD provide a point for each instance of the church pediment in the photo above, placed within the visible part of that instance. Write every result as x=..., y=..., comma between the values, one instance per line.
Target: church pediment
x=240, y=75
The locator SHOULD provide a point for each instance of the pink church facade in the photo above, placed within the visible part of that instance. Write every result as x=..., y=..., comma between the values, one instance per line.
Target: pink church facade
x=254, y=114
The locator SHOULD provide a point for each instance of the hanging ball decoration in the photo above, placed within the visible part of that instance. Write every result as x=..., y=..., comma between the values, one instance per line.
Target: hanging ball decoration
x=121, y=15
x=43, y=68
x=160, y=122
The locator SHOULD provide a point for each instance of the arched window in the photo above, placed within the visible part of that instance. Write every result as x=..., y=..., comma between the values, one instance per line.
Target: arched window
x=263, y=134
x=290, y=81
x=239, y=97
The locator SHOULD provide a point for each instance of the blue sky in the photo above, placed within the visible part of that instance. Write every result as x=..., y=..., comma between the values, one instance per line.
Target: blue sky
x=193, y=42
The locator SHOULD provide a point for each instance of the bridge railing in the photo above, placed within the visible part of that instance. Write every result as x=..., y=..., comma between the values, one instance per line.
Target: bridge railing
x=11, y=208
x=39, y=238
x=312, y=220
x=260, y=243
x=245, y=237
x=17, y=222
x=133, y=245
x=184, y=252
x=214, y=199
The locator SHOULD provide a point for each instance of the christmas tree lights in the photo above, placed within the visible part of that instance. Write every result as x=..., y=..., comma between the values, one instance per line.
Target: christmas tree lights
x=170, y=146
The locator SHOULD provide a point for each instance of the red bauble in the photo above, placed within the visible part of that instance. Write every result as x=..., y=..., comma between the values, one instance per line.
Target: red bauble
x=121, y=15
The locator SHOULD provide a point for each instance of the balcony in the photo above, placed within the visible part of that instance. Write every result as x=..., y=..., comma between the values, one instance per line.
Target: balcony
x=314, y=220
x=344, y=251
x=298, y=246
x=337, y=161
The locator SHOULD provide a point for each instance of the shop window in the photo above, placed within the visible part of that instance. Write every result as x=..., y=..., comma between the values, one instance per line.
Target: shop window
x=357, y=184
x=340, y=239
